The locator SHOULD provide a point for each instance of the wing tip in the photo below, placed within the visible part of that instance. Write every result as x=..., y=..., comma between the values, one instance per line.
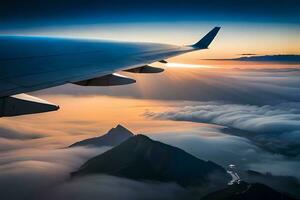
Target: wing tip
x=207, y=39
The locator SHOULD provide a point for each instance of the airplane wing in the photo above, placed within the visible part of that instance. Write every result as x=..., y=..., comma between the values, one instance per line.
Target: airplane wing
x=30, y=63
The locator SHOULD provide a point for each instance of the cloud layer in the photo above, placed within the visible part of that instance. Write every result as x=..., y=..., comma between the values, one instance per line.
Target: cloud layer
x=239, y=85
x=29, y=173
x=278, y=127
x=12, y=134
x=114, y=188
x=42, y=173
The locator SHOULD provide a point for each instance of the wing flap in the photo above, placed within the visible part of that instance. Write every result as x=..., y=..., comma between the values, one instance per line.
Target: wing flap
x=145, y=70
x=107, y=80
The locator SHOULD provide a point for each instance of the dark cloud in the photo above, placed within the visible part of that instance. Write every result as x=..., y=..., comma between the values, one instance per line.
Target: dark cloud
x=275, y=128
x=247, y=54
x=114, y=188
x=266, y=58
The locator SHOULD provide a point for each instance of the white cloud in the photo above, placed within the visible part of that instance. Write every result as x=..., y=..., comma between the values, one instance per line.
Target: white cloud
x=275, y=128
x=28, y=173
x=264, y=119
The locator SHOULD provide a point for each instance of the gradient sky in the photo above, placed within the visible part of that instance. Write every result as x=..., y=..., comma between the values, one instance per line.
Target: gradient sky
x=258, y=27
x=182, y=106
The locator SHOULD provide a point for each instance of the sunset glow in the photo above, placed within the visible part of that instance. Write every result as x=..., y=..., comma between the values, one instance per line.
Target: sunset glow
x=149, y=100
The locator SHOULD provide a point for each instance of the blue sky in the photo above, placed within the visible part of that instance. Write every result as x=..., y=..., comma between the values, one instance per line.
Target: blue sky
x=261, y=27
x=43, y=13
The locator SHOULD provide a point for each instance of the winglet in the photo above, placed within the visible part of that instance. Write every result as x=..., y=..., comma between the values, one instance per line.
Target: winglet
x=207, y=39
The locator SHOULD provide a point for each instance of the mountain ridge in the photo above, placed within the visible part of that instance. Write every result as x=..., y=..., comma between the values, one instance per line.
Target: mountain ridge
x=142, y=158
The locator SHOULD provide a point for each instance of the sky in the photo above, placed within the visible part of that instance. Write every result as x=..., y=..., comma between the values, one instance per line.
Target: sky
x=230, y=112
x=257, y=27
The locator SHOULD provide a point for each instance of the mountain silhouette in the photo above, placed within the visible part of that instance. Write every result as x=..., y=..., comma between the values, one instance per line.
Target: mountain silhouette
x=284, y=183
x=141, y=158
x=113, y=137
x=247, y=191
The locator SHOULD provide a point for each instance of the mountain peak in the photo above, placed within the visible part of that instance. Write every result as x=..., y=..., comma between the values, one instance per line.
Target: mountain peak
x=119, y=129
x=113, y=137
x=119, y=126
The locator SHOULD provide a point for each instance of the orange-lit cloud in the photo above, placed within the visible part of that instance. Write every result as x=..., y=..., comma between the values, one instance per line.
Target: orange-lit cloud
x=87, y=116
